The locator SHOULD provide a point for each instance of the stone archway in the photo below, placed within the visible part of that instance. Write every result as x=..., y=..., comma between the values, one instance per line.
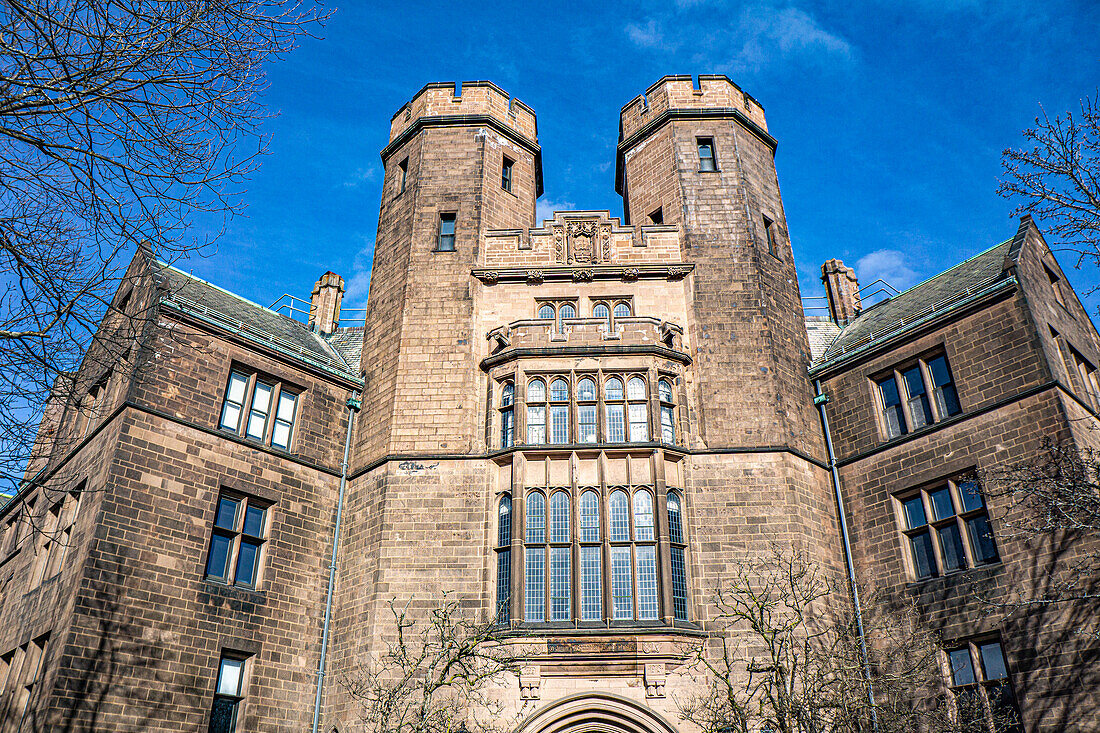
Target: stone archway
x=595, y=713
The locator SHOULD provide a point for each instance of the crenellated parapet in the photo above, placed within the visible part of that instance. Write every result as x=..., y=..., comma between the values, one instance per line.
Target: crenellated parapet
x=680, y=92
x=475, y=98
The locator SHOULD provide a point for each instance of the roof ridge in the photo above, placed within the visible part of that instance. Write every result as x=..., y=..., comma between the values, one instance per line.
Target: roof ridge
x=229, y=292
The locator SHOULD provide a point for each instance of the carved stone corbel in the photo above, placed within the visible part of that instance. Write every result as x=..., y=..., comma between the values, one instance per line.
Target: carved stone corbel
x=529, y=680
x=654, y=676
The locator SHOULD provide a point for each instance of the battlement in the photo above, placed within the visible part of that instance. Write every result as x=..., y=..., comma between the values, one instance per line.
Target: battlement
x=680, y=92
x=474, y=98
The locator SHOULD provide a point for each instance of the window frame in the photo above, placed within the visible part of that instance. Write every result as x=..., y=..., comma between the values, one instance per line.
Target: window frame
x=897, y=375
x=253, y=379
x=506, y=166
x=707, y=141
x=981, y=684
x=236, y=700
x=961, y=520
x=236, y=536
x=445, y=242
x=403, y=175
x=769, y=236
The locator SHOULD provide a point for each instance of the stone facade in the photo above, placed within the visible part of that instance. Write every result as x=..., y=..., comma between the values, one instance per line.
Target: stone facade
x=478, y=317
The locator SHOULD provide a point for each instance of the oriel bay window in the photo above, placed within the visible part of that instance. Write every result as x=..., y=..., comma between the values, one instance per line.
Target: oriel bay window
x=607, y=568
x=946, y=529
x=916, y=395
x=262, y=409
x=507, y=415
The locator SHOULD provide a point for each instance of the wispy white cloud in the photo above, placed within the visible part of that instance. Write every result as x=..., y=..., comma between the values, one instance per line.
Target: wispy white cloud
x=890, y=265
x=648, y=35
x=770, y=33
x=361, y=176
x=545, y=208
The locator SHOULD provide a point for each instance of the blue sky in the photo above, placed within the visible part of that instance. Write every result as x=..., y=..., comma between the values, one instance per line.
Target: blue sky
x=890, y=114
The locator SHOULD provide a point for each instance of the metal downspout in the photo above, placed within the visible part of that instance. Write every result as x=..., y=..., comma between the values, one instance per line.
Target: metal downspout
x=354, y=404
x=820, y=400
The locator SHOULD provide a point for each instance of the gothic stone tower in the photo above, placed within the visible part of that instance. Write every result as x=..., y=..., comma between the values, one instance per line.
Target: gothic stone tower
x=575, y=428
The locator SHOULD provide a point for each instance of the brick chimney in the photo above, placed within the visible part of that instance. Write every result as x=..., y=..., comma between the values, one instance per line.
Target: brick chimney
x=842, y=290
x=324, y=304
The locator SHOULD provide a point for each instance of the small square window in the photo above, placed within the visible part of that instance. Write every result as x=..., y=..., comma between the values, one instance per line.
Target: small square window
x=228, y=693
x=402, y=174
x=769, y=234
x=270, y=406
x=446, y=233
x=237, y=540
x=657, y=216
x=916, y=395
x=707, y=160
x=506, y=174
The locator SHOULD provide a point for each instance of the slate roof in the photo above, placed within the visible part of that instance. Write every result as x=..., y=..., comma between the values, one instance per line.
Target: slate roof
x=251, y=321
x=937, y=294
x=348, y=342
x=822, y=332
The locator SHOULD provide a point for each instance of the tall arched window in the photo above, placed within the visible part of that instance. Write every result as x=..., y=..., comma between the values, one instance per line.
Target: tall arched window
x=560, y=552
x=534, y=597
x=559, y=411
x=504, y=560
x=668, y=411
x=602, y=312
x=622, y=575
x=591, y=561
x=637, y=413
x=546, y=312
x=536, y=412
x=679, y=573
x=616, y=417
x=622, y=310
x=507, y=415
x=566, y=311
x=586, y=410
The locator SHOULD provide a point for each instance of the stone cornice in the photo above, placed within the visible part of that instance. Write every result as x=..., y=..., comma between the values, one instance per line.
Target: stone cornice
x=626, y=273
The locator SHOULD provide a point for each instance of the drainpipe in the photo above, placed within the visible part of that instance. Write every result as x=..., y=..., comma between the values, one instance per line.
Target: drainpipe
x=820, y=400
x=354, y=403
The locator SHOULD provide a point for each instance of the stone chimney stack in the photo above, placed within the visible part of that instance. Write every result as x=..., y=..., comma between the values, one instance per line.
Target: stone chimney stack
x=324, y=304
x=842, y=290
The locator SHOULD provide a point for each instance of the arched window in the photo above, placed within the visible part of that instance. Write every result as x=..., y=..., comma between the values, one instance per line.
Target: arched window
x=559, y=517
x=559, y=413
x=591, y=557
x=643, y=515
x=536, y=412
x=534, y=597
x=637, y=411
x=601, y=311
x=507, y=415
x=566, y=311
x=546, y=312
x=622, y=310
x=622, y=570
x=679, y=573
x=620, y=517
x=586, y=410
x=645, y=555
x=560, y=555
x=615, y=409
x=504, y=559
x=668, y=411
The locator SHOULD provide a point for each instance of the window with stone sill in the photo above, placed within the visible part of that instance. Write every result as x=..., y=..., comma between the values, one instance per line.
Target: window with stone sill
x=229, y=692
x=945, y=528
x=557, y=311
x=238, y=540
x=574, y=408
x=21, y=670
x=985, y=701
x=260, y=409
x=916, y=394
x=55, y=537
x=592, y=555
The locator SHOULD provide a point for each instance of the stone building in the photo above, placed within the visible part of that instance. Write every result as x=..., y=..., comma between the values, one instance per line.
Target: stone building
x=575, y=427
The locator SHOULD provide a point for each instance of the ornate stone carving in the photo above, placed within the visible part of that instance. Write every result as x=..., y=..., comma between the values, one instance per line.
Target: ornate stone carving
x=529, y=681
x=582, y=228
x=534, y=276
x=631, y=273
x=559, y=244
x=675, y=273
x=490, y=277
x=583, y=275
x=654, y=680
x=605, y=242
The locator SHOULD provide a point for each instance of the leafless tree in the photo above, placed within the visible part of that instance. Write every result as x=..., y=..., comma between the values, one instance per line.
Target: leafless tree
x=120, y=121
x=785, y=657
x=434, y=675
x=1056, y=177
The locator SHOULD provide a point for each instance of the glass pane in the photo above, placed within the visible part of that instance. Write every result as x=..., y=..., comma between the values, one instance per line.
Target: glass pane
x=942, y=506
x=647, y=582
x=601, y=311
x=971, y=496
x=895, y=421
x=993, y=661
x=229, y=677
x=679, y=584
x=536, y=517
x=590, y=517
x=536, y=425
x=622, y=584
x=1006, y=713
x=675, y=522
x=254, y=521
x=643, y=515
x=261, y=399
x=535, y=585
x=586, y=389
x=246, y=563
x=504, y=522
x=231, y=417
x=962, y=668
x=559, y=424
x=639, y=423
x=635, y=388
x=952, y=548
x=559, y=517
x=226, y=516
x=937, y=367
x=507, y=394
x=971, y=712
x=924, y=561
x=914, y=512
x=591, y=584
x=920, y=411
x=616, y=431
x=568, y=311
x=546, y=312
x=504, y=585
x=586, y=417
x=237, y=385
x=447, y=225
x=257, y=422
x=559, y=390
x=914, y=383
x=981, y=539
x=280, y=434
x=507, y=429
x=622, y=310
x=947, y=400
x=888, y=388
x=223, y=716
x=620, y=517
x=536, y=391
x=560, y=601
x=219, y=557
x=664, y=391
x=286, y=406
x=613, y=388
x=668, y=425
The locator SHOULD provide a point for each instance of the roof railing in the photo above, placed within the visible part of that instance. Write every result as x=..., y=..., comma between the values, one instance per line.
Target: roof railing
x=290, y=309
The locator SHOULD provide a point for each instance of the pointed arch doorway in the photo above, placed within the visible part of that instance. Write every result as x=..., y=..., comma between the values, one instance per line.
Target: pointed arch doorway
x=595, y=713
